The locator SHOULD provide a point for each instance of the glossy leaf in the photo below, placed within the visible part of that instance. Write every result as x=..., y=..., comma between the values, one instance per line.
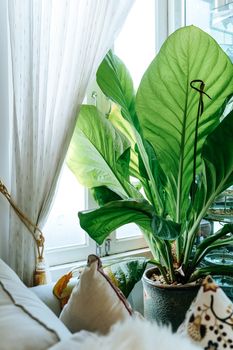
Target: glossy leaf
x=116, y=83
x=167, y=106
x=165, y=229
x=159, y=177
x=99, y=223
x=95, y=151
x=126, y=129
x=103, y=195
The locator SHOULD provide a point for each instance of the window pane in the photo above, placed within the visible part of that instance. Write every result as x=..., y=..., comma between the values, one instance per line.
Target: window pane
x=128, y=231
x=62, y=227
x=215, y=19
x=135, y=44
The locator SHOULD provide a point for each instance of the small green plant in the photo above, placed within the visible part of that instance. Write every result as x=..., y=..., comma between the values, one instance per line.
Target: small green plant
x=175, y=136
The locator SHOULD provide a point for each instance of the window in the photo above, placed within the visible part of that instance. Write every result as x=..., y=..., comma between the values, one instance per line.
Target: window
x=146, y=28
x=65, y=240
x=216, y=19
x=131, y=46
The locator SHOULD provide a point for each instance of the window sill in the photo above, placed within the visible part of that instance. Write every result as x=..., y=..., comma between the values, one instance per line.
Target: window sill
x=59, y=270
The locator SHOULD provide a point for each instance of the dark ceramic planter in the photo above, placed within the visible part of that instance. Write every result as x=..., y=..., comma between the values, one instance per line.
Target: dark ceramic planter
x=164, y=303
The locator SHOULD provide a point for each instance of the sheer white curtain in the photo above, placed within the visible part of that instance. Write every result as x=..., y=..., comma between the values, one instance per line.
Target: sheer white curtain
x=56, y=46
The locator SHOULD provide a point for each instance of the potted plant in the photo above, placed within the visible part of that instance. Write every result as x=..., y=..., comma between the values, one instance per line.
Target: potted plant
x=175, y=136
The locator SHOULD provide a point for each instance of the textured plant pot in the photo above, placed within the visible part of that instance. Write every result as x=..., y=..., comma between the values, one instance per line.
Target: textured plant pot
x=164, y=303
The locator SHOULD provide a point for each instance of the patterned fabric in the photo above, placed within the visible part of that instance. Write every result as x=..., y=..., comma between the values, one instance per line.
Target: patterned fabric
x=209, y=320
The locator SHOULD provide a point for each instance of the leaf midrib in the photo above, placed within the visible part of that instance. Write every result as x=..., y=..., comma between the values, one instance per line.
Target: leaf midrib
x=181, y=159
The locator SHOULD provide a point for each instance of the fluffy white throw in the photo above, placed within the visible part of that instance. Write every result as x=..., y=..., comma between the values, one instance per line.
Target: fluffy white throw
x=134, y=333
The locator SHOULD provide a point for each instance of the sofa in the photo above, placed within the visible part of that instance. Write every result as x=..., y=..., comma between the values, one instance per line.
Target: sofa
x=25, y=321
x=97, y=316
x=29, y=317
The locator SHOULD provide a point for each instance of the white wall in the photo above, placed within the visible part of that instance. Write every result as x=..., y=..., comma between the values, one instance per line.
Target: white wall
x=4, y=129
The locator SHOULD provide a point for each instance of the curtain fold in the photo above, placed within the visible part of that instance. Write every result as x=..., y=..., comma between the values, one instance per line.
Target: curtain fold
x=56, y=47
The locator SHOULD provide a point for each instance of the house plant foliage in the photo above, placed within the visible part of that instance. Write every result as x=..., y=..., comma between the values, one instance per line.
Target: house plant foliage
x=161, y=156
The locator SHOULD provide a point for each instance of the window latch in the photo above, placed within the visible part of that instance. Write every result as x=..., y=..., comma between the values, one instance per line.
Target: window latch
x=107, y=246
x=98, y=250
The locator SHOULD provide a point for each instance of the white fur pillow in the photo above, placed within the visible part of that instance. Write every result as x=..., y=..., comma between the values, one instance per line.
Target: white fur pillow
x=132, y=334
x=95, y=303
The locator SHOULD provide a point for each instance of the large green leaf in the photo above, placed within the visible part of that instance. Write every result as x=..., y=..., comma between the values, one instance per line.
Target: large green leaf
x=159, y=177
x=95, y=152
x=167, y=106
x=103, y=195
x=126, y=129
x=136, y=165
x=99, y=223
x=116, y=83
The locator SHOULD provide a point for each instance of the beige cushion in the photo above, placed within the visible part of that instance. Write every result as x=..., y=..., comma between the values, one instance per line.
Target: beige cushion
x=25, y=321
x=209, y=321
x=95, y=304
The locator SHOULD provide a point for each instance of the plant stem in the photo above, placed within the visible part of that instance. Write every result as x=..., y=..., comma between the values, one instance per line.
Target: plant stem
x=143, y=154
x=163, y=252
x=151, y=199
x=170, y=261
x=179, y=248
x=190, y=241
x=161, y=269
